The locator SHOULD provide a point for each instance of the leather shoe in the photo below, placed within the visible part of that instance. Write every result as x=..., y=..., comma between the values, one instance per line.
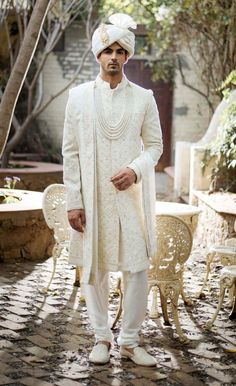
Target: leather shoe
x=138, y=355
x=100, y=354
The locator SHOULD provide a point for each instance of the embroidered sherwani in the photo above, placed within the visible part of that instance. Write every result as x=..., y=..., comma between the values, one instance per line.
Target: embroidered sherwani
x=115, y=236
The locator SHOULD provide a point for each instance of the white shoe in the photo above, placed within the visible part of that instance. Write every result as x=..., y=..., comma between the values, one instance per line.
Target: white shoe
x=138, y=356
x=100, y=354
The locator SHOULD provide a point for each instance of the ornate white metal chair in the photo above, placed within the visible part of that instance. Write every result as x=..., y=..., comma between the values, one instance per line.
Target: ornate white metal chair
x=227, y=255
x=174, y=243
x=227, y=281
x=55, y=214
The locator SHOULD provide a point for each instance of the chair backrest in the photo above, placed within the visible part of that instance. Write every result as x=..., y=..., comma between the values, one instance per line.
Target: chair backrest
x=228, y=254
x=54, y=211
x=174, y=243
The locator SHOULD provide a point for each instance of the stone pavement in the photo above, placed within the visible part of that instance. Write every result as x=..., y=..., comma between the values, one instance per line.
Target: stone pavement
x=45, y=337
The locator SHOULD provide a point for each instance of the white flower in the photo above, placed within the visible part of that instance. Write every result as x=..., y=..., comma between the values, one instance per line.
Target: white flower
x=162, y=13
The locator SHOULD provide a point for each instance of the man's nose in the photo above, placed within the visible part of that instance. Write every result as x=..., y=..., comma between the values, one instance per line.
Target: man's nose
x=114, y=55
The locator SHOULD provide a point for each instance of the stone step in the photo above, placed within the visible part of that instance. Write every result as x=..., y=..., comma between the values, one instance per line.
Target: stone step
x=170, y=171
x=185, y=199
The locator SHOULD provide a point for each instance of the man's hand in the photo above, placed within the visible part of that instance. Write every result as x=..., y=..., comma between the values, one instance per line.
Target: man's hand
x=124, y=179
x=77, y=219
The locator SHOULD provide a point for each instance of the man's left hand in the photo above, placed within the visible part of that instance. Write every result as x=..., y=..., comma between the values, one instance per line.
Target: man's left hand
x=124, y=179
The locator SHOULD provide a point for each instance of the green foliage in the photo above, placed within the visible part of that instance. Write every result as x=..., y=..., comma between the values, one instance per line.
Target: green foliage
x=228, y=84
x=223, y=149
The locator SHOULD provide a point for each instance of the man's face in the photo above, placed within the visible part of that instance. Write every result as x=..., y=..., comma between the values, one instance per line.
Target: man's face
x=112, y=59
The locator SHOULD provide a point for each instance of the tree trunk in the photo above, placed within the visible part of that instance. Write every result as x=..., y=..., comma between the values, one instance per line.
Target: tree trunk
x=20, y=69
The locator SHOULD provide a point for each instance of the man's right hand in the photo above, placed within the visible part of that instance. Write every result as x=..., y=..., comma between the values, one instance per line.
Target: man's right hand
x=77, y=219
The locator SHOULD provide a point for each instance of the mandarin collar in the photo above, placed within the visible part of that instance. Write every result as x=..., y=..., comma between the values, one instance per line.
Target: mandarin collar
x=99, y=82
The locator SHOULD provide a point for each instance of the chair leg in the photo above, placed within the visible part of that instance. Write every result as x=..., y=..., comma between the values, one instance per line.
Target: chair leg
x=154, y=308
x=164, y=309
x=120, y=306
x=78, y=273
x=174, y=297
x=115, y=291
x=186, y=300
x=232, y=315
x=77, y=277
x=221, y=298
x=55, y=255
x=231, y=297
x=209, y=259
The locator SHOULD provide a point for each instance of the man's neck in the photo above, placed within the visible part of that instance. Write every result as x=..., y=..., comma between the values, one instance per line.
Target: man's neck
x=112, y=80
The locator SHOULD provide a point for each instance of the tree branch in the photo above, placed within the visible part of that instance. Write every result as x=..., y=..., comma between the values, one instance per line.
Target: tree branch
x=9, y=43
x=185, y=83
x=20, y=69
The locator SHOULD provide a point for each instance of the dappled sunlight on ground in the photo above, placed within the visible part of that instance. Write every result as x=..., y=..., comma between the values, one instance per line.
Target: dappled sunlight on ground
x=48, y=337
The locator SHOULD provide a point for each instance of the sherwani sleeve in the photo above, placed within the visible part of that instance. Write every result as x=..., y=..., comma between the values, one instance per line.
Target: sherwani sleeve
x=71, y=161
x=151, y=137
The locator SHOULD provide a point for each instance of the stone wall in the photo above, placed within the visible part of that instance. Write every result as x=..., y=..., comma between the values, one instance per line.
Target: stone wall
x=214, y=227
x=24, y=235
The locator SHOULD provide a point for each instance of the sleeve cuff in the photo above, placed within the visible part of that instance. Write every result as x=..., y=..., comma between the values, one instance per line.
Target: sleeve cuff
x=74, y=205
x=136, y=170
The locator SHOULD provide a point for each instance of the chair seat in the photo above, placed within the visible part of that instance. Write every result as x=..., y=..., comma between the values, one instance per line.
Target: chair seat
x=229, y=250
x=229, y=270
x=227, y=255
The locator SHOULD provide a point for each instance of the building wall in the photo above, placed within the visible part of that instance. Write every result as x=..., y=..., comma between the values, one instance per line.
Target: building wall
x=191, y=113
x=59, y=69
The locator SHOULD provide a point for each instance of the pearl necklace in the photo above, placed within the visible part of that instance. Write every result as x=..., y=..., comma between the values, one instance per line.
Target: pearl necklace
x=113, y=131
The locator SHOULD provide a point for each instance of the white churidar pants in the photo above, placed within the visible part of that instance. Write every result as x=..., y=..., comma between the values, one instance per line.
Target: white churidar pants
x=134, y=307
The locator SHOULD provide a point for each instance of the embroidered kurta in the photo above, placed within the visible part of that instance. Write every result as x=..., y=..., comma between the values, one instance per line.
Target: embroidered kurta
x=120, y=242
x=119, y=231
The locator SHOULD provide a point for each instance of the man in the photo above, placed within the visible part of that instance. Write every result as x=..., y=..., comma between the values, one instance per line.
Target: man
x=112, y=140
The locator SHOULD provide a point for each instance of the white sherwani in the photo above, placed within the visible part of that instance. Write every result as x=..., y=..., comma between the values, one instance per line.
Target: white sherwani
x=115, y=236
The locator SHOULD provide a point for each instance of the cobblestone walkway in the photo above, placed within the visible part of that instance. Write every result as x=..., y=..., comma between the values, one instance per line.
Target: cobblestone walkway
x=44, y=339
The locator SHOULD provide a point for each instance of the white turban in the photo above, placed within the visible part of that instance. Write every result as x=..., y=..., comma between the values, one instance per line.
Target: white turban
x=107, y=34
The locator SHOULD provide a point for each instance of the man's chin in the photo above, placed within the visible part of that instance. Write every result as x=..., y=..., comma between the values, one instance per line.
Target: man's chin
x=113, y=71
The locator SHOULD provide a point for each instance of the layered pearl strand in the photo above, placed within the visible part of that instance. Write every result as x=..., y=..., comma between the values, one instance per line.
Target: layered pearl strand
x=113, y=131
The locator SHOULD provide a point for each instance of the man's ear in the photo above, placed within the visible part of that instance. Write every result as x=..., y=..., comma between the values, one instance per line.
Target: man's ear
x=98, y=58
